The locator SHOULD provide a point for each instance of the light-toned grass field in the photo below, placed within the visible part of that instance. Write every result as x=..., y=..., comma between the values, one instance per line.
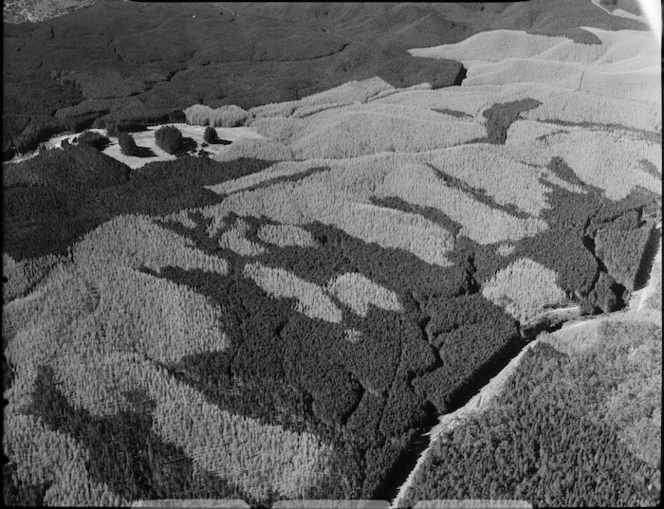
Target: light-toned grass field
x=136, y=241
x=494, y=169
x=493, y=46
x=606, y=159
x=524, y=289
x=146, y=139
x=311, y=299
x=350, y=92
x=625, y=65
x=358, y=292
x=328, y=198
x=352, y=130
x=284, y=235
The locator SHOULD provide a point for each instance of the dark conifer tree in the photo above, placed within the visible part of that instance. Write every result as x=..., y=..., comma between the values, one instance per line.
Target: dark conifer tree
x=93, y=139
x=169, y=139
x=210, y=135
x=127, y=144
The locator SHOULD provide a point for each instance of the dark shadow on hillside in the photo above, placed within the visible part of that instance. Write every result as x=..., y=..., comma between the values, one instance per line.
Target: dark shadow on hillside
x=143, y=152
x=461, y=75
x=648, y=259
x=187, y=145
x=219, y=141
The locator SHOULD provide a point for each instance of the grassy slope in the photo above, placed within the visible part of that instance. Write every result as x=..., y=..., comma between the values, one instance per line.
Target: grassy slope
x=381, y=370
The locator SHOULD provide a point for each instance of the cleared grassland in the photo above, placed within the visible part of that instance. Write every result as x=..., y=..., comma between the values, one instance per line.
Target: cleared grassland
x=354, y=129
x=329, y=200
x=305, y=111
x=283, y=129
x=464, y=100
x=349, y=92
x=524, y=289
x=609, y=160
x=90, y=306
x=100, y=296
x=146, y=140
x=358, y=292
x=341, y=194
x=495, y=170
x=419, y=184
x=386, y=93
x=625, y=65
x=183, y=218
x=284, y=235
x=135, y=241
x=581, y=106
x=311, y=300
x=257, y=457
x=653, y=298
x=360, y=130
x=195, y=132
x=643, y=83
x=558, y=104
x=493, y=46
x=505, y=249
x=560, y=74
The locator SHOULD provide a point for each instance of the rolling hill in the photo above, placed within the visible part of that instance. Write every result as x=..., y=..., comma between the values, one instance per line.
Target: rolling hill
x=416, y=198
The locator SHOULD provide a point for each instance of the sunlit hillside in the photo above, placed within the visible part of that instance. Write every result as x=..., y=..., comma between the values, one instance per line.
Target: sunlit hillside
x=288, y=315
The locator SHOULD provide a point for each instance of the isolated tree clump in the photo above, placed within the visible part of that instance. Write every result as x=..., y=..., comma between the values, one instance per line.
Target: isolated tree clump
x=127, y=144
x=93, y=139
x=210, y=135
x=169, y=138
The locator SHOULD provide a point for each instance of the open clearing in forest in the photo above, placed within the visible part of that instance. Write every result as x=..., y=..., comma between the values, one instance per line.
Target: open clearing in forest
x=146, y=139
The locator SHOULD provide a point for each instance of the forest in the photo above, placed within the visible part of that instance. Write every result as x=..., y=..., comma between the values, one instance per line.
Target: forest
x=288, y=314
x=591, y=450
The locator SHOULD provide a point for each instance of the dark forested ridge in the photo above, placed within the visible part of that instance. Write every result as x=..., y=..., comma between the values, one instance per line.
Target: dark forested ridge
x=130, y=61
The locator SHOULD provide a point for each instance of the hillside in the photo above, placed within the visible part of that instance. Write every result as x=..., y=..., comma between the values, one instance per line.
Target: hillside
x=617, y=360
x=411, y=195
x=140, y=62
